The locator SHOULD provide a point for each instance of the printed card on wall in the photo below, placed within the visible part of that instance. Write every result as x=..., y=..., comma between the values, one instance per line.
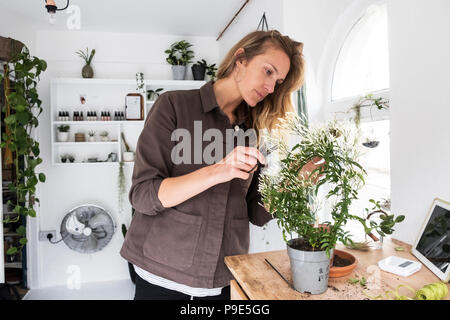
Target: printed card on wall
x=134, y=104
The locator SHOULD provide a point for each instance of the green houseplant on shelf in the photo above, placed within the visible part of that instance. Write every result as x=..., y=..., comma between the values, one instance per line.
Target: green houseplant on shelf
x=63, y=133
x=152, y=95
x=22, y=108
x=179, y=55
x=87, y=71
x=211, y=71
x=291, y=195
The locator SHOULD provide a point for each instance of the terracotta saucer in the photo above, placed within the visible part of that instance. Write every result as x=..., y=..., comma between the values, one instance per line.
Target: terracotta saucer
x=336, y=272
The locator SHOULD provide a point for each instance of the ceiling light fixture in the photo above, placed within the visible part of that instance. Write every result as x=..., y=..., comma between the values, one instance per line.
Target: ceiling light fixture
x=52, y=8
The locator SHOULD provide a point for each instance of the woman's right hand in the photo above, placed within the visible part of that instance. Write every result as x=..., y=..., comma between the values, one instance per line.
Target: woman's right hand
x=239, y=163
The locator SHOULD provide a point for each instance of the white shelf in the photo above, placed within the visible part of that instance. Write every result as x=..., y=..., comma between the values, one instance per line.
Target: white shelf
x=13, y=264
x=99, y=122
x=160, y=83
x=101, y=95
x=72, y=143
x=102, y=163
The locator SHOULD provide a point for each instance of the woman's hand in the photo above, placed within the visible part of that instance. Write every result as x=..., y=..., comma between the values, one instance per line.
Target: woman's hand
x=305, y=172
x=239, y=163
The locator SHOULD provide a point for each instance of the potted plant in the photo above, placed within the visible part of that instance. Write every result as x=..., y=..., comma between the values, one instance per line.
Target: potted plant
x=128, y=154
x=384, y=227
x=199, y=69
x=71, y=157
x=179, y=56
x=292, y=196
x=63, y=133
x=104, y=136
x=211, y=71
x=368, y=101
x=91, y=136
x=22, y=108
x=64, y=158
x=152, y=95
x=140, y=82
x=87, y=71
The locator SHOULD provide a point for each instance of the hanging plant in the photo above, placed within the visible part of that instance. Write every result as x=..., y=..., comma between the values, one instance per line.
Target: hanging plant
x=121, y=184
x=22, y=109
x=364, y=102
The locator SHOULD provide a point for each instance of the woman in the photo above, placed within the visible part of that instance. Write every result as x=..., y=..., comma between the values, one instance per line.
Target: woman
x=190, y=214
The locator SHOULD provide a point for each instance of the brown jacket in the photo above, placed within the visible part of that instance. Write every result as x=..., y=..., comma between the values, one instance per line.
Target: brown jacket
x=187, y=243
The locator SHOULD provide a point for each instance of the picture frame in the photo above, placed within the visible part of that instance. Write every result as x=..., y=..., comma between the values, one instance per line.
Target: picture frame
x=432, y=243
x=134, y=106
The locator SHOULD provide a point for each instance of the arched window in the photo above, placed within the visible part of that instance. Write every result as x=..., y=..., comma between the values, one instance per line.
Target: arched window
x=362, y=65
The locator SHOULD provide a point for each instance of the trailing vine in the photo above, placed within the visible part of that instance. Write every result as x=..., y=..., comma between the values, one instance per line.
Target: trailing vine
x=22, y=109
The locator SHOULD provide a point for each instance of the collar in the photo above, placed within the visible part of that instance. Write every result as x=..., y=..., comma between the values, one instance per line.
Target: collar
x=209, y=103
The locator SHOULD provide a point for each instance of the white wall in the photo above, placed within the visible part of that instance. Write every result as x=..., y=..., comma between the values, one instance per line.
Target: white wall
x=419, y=40
x=12, y=25
x=248, y=20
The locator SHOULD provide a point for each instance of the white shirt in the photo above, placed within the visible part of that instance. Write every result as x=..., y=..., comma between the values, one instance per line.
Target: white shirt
x=172, y=285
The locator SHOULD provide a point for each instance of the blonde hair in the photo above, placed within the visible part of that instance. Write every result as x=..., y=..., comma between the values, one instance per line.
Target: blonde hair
x=276, y=105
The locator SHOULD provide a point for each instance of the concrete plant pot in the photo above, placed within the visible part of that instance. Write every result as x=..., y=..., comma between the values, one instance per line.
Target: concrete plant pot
x=310, y=269
x=178, y=72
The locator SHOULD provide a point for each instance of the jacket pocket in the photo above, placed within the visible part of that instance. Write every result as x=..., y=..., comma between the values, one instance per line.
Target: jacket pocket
x=172, y=238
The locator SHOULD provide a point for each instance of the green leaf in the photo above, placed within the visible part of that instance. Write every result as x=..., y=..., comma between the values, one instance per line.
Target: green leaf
x=400, y=219
x=399, y=249
x=32, y=213
x=22, y=231
x=41, y=177
x=23, y=241
x=363, y=281
x=9, y=120
x=11, y=251
x=353, y=280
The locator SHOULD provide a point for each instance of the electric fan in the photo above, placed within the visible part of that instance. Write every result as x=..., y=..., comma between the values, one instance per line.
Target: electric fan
x=87, y=228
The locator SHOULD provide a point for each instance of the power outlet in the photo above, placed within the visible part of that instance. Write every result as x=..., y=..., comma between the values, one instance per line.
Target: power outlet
x=43, y=235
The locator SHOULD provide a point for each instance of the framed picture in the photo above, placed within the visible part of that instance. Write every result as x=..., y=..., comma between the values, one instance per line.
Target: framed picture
x=134, y=106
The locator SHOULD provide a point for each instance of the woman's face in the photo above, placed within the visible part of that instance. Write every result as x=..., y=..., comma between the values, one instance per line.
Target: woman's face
x=258, y=77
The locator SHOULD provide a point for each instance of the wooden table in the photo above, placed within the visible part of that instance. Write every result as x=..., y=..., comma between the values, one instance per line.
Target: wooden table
x=255, y=279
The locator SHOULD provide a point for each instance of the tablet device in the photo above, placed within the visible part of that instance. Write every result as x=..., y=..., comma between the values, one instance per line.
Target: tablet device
x=432, y=246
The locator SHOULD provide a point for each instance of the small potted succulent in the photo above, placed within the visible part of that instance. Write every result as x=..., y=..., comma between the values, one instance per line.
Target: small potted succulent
x=87, y=71
x=71, y=157
x=63, y=133
x=91, y=136
x=152, y=95
x=104, y=136
x=199, y=69
x=64, y=158
x=179, y=56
